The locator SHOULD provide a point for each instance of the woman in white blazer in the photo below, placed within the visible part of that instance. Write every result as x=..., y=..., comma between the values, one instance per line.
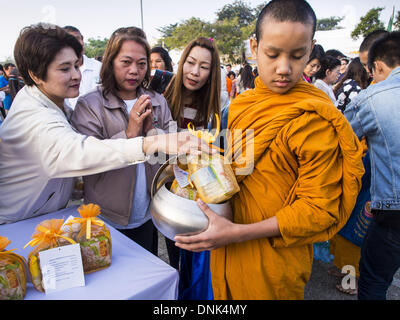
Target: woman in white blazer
x=40, y=152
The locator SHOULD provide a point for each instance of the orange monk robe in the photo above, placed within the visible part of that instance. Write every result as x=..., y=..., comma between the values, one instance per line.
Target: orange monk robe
x=229, y=85
x=307, y=173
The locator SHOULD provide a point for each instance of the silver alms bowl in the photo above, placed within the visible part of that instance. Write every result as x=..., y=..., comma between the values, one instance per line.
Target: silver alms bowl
x=173, y=215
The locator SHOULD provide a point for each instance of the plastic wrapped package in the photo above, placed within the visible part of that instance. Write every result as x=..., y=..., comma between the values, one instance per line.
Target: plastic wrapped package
x=94, y=238
x=48, y=235
x=13, y=273
x=212, y=176
x=187, y=192
x=214, y=179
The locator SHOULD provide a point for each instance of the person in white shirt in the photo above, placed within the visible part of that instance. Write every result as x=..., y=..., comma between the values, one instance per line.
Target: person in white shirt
x=40, y=152
x=327, y=76
x=89, y=67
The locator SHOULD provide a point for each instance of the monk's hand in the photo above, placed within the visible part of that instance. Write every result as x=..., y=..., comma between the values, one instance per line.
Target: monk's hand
x=219, y=233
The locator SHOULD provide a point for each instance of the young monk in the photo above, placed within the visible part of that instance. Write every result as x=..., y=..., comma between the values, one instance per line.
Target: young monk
x=305, y=172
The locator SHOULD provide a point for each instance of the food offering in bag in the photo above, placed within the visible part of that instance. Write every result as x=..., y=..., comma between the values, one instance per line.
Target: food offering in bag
x=12, y=273
x=186, y=192
x=182, y=186
x=212, y=176
x=214, y=179
x=48, y=235
x=94, y=238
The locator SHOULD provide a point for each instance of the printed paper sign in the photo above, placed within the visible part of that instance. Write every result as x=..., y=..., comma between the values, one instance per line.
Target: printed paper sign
x=181, y=176
x=62, y=268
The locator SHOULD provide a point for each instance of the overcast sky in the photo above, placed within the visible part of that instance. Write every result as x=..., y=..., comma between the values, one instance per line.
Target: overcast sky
x=98, y=19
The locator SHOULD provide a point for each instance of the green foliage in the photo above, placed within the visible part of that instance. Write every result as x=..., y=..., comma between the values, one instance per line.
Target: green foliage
x=238, y=9
x=368, y=23
x=396, y=23
x=229, y=38
x=178, y=36
x=330, y=23
x=95, y=47
x=235, y=23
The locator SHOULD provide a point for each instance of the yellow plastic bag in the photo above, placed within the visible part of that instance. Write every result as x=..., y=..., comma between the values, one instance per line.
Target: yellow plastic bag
x=212, y=176
x=214, y=179
x=48, y=235
x=12, y=273
x=94, y=238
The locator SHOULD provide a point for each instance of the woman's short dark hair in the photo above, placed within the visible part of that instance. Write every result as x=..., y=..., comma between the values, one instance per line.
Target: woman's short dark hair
x=318, y=53
x=165, y=56
x=114, y=45
x=327, y=63
x=37, y=46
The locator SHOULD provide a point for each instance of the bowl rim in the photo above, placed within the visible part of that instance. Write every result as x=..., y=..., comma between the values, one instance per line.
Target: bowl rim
x=155, y=181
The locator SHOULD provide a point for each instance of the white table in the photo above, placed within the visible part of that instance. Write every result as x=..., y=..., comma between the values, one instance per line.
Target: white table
x=135, y=273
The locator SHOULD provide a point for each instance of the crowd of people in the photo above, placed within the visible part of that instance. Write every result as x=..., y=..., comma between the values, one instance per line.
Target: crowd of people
x=324, y=148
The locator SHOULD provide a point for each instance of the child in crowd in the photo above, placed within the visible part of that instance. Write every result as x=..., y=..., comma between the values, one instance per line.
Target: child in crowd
x=299, y=185
x=374, y=114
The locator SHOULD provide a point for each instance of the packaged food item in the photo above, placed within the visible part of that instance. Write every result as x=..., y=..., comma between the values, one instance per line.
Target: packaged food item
x=214, y=179
x=94, y=238
x=48, y=235
x=212, y=176
x=12, y=273
x=187, y=192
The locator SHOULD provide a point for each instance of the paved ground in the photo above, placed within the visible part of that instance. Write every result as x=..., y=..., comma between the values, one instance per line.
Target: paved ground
x=321, y=286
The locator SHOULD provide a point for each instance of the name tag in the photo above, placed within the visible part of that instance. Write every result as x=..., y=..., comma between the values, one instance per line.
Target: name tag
x=62, y=268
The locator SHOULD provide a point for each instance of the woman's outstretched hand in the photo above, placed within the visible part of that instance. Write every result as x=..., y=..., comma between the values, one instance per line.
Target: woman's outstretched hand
x=175, y=143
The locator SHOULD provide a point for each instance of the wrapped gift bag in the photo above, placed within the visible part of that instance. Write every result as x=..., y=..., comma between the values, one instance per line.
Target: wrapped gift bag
x=12, y=273
x=48, y=235
x=211, y=175
x=94, y=238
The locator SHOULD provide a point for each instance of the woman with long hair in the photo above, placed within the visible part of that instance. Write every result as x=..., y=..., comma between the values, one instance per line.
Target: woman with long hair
x=245, y=79
x=354, y=80
x=194, y=97
x=193, y=94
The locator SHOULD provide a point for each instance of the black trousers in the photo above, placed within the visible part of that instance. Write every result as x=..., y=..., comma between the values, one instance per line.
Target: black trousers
x=146, y=236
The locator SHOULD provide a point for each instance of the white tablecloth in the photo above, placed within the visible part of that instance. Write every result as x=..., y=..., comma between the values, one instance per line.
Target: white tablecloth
x=134, y=274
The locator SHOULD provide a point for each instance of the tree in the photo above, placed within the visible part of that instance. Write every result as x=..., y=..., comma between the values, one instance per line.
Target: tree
x=235, y=23
x=330, y=23
x=238, y=9
x=368, y=23
x=95, y=47
x=396, y=23
x=167, y=31
x=186, y=31
x=229, y=38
